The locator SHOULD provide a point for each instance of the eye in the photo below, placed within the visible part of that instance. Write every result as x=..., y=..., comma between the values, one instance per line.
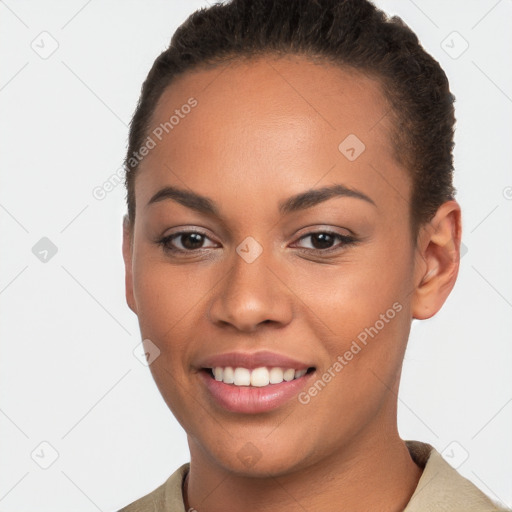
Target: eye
x=322, y=241
x=189, y=240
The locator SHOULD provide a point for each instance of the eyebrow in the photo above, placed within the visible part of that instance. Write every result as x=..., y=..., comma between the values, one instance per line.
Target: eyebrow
x=298, y=202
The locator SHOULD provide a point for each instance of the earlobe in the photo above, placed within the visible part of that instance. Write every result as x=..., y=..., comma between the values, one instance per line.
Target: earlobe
x=438, y=258
x=127, y=257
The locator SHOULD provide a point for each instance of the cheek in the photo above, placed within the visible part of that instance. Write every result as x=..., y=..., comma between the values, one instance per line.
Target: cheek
x=354, y=294
x=364, y=334
x=165, y=296
x=172, y=301
x=167, y=299
x=365, y=313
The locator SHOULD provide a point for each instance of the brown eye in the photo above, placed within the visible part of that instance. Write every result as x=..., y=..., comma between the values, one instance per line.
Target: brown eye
x=191, y=241
x=185, y=241
x=322, y=241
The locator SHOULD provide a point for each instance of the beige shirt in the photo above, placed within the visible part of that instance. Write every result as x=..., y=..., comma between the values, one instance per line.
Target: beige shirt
x=440, y=489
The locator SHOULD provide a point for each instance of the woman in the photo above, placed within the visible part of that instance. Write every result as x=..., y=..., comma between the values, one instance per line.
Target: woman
x=290, y=211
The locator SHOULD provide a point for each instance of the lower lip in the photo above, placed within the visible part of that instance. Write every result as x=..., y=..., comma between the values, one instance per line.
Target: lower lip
x=253, y=400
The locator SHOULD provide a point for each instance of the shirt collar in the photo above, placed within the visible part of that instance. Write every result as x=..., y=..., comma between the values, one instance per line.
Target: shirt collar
x=440, y=486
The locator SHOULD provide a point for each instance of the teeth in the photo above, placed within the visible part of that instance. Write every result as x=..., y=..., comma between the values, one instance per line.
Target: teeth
x=217, y=373
x=289, y=374
x=299, y=373
x=259, y=377
x=276, y=375
x=229, y=375
x=242, y=377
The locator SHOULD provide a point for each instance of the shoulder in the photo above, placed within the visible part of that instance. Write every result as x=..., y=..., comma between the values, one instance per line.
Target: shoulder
x=167, y=496
x=441, y=488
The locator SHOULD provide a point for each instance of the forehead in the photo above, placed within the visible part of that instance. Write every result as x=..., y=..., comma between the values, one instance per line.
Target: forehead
x=270, y=124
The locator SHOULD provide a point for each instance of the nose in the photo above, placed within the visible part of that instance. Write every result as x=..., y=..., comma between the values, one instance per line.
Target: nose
x=251, y=295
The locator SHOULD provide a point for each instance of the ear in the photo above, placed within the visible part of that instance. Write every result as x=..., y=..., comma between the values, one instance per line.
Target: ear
x=127, y=256
x=437, y=260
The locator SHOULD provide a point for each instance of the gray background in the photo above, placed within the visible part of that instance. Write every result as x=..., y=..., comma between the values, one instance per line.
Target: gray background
x=68, y=374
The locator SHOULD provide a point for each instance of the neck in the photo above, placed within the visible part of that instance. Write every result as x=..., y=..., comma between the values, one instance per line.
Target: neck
x=377, y=473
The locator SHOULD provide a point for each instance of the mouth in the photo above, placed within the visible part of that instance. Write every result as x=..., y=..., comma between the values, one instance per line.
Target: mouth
x=260, y=377
x=254, y=383
x=250, y=383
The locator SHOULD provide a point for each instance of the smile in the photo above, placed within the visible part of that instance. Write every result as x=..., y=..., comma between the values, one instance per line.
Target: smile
x=258, y=377
x=252, y=383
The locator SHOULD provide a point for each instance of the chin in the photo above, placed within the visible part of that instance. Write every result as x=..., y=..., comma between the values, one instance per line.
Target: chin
x=254, y=457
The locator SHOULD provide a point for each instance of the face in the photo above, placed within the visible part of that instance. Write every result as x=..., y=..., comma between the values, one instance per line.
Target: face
x=297, y=256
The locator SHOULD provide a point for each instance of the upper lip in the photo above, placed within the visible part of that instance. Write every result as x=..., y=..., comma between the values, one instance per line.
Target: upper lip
x=252, y=360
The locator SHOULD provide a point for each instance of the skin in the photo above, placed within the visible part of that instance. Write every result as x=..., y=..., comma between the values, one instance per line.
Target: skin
x=263, y=131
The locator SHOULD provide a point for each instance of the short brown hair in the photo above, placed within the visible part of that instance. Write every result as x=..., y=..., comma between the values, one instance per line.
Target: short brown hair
x=347, y=33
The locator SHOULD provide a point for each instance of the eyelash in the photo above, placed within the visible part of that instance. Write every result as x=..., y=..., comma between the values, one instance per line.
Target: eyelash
x=345, y=242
